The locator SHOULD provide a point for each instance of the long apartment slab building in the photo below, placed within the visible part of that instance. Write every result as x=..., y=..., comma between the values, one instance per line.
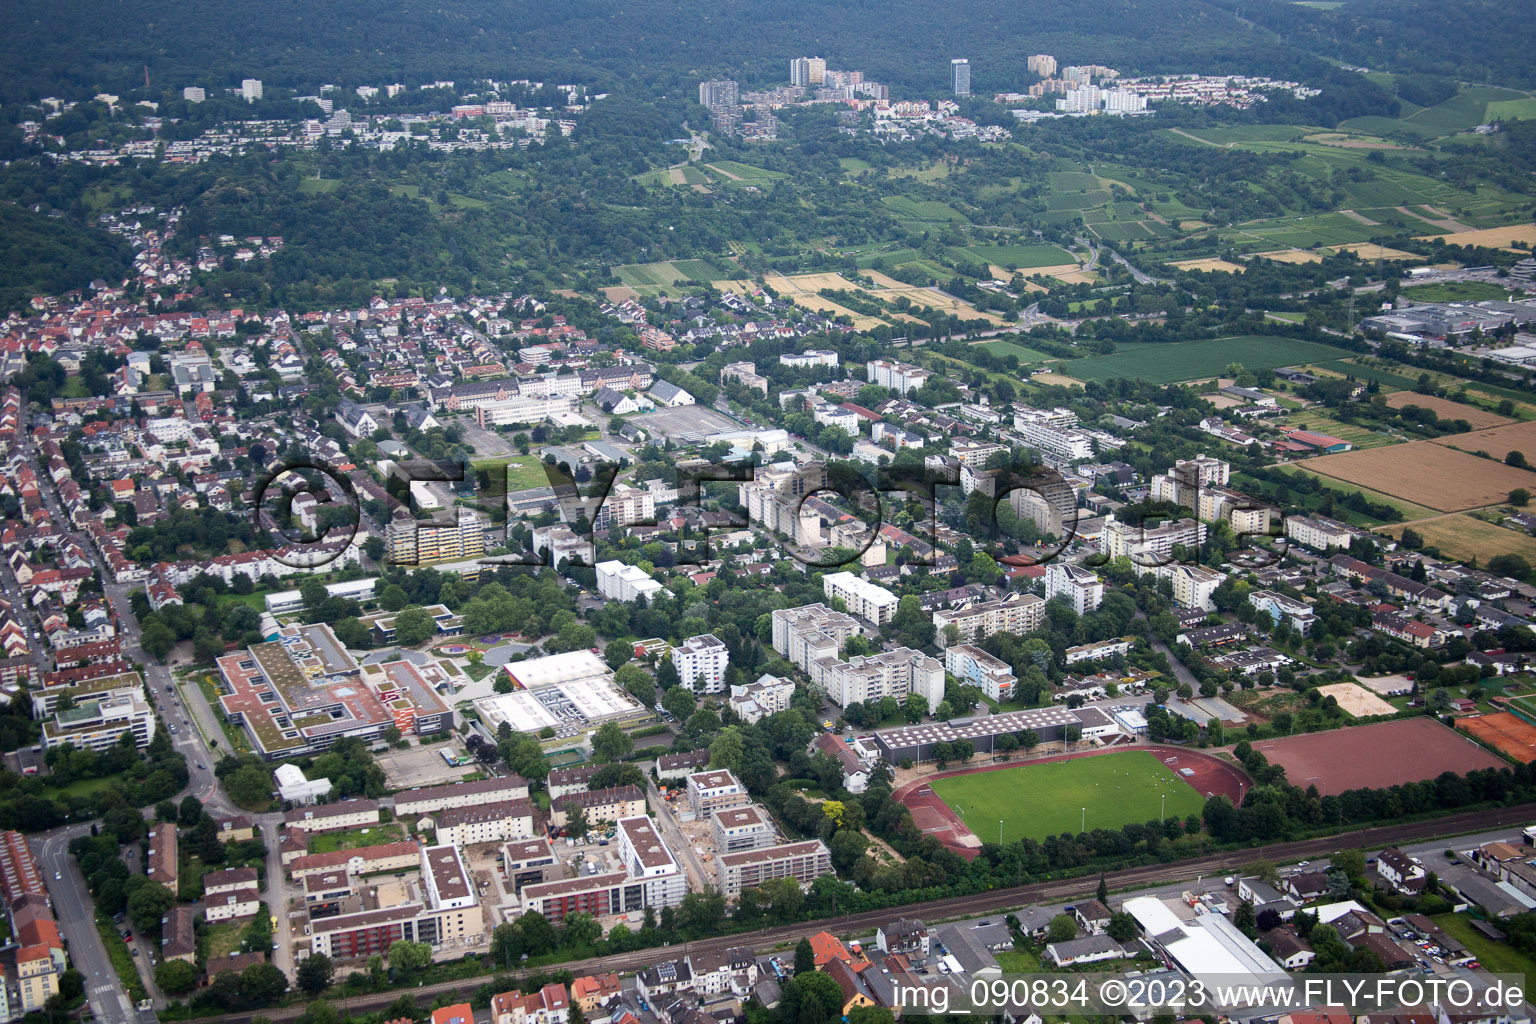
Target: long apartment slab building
x=775, y=499
x=750, y=869
x=1015, y=613
x=302, y=691
x=1147, y=546
x=895, y=673
x=418, y=542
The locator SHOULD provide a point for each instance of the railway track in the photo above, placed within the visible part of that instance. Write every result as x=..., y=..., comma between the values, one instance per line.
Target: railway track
x=995, y=901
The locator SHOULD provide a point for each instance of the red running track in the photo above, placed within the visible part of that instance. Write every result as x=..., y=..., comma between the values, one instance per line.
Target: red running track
x=932, y=816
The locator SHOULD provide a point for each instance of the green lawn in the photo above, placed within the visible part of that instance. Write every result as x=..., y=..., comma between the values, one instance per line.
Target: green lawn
x=1193, y=360
x=523, y=471
x=746, y=172
x=1498, y=957
x=352, y=839
x=1048, y=799
x=222, y=939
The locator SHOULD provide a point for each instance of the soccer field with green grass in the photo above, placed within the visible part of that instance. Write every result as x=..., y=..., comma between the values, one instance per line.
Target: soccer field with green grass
x=1042, y=800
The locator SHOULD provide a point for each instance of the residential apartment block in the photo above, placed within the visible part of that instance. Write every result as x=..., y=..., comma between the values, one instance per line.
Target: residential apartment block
x=893, y=673
x=810, y=633
x=1078, y=585
x=620, y=582
x=701, y=662
x=898, y=377
x=409, y=542
x=804, y=862
x=1016, y=613
x=978, y=668
x=861, y=597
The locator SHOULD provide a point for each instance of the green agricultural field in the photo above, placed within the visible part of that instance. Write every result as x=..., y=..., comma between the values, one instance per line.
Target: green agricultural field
x=1370, y=373
x=1077, y=201
x=1042, y=800
x=1024, y=257
x=1409, y=510
x=1509, y=110
x=664, y=274
x=1193, y=360
x=1072, y=181
x=924, y=210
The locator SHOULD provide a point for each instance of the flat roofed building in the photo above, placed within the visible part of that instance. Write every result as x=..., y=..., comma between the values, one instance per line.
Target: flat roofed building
x=101, y=724
x=806, y=634
x=917, y=741
x=893, y=673
x=600, y=895
x=1016, y=613
x=300, y=692
x=700, y=662
x=976, y=667
x=862, y=598
x=713, y=791
x=646, y=857
x=735, y=829
x=1079, y=585
x=620, y=582
x=804, y=862
x=528, y=862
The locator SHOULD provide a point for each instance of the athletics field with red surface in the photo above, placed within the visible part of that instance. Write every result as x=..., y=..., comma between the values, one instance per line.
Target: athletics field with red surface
x=1205, y=774
x=1376, y=756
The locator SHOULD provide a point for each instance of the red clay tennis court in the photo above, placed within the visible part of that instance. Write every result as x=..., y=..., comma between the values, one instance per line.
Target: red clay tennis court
x=1505, y=731
x=1376, y=756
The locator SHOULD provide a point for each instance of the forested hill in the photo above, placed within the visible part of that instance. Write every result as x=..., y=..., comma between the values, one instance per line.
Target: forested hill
x=662, y=45
x=42, y=255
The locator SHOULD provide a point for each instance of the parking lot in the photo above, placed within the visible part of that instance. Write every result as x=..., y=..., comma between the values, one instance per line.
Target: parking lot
x=687, y=419
x=416, y=766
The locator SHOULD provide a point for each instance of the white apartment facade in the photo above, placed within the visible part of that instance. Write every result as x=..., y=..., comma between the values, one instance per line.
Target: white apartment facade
x=861, y=597
x=700, y=662
x=1079, y=585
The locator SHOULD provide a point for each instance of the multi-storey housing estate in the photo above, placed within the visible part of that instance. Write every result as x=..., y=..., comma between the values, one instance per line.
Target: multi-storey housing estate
x=810, y=633
x=861, y=597
x=620, y=582
x=1193, y=585
x=893, y=673
x=804, y=862
x=1016, y=613
x=1079, y=585
x=409, y=542
x=975, y=666
x=1318, y=533
x=741, y=828
x=715, y=790
x=1147, y=547
x=441, y=910
x=901, y=378
x=701, y=662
